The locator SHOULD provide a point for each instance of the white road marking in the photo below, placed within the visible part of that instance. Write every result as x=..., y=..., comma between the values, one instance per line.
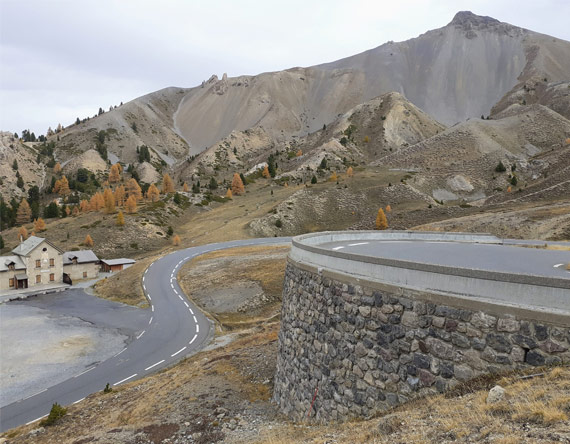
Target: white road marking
x=144, y=276
x=358, y=243
x=197, y=328
x=193, y=339
x=186, y=303
x=558, y=265
x=195, y=320
x=150, y=321
x=149, y=298
x=338, y=248
x=191, y=310
x=171, y=285
x=79, y=400
x=117, y=354
x=179, y=351
x=175, y=291
x=37, y=419
x=89, y=369
x=144, y=286
x=153, y=365
x=31, y=396
x=138, y=337
x=180, y=297
x=152, y=308
x=126, y=379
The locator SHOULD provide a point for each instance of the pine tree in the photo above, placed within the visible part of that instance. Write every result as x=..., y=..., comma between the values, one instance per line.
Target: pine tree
x=167, y=184
x=39, y=225
x=185, y=188
x=88, y=242
x=57, y=168
x=176, y=240
x=266, y=172
x=120, y=219
x=229, y=194
x=388, y=208
x=131, y=204
x=299, y=153
x=114, y=174
x=314, y=179
x=381, y=221
x=152, y=193
x=63, y=189
x=75, y=211
x=96, y=202
x=237, y=185
x=22, y=233
x=333, y=177
x=349, y=172
x=24, y=213
x=109, y=201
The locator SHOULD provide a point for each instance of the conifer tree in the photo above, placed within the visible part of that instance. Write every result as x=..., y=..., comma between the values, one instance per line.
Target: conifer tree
x=109, y=201
x=388, y=208
x=24, y=213
x=333, y=177
x=237, y=185
x=88, y=242
x=152, y=193
x=229, y=194
x=133, y=189
x=84, y=206
x=381, y=221
x=114, y=174
x=120, y=195
x=131, y=204
x=349, y=172
x=266, y=172
x=120, y=219
x=22, y=233
x=167, y=184
x=299, y=153
x=57, y=168
x=185, y=188
x=75, y=211
x=96, y=202
x=39, y=225
x=176, y=240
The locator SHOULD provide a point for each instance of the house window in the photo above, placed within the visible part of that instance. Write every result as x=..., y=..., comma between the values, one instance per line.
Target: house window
x=38, y=278
x=52, y=262
x=11, y=282
x=11, y=267
x=84, y=274
x=38, y=263
x=52, y=277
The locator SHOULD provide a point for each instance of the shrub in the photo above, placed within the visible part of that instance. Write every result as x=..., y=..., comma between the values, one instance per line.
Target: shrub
x=278, y=223
x=514, y=180
x=314, y=179
x=500, y=168
x=55, y=414
x=107, y=389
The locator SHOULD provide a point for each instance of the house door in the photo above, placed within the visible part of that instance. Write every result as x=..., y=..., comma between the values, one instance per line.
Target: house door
x=22, y=283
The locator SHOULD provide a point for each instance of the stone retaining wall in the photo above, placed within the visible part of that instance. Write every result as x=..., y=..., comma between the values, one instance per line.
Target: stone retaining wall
x=363, y=347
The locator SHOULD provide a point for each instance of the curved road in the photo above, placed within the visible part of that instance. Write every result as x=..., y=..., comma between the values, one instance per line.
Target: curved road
x=175, y=329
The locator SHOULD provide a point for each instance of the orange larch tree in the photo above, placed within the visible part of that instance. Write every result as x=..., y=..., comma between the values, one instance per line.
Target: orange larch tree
x=185, y=188
x=115, y=174
x=131, y=204
x=381, y=221
x=229, y=194
x=133, y=189
x=120, y=219
x=237, y=185
x=349, y=172
x=88, y=242
x=24, y=213
x=388, y=208
x=22, y=233
x=266, y=172
x=120, y=195
x=152, y=193
x=75, y=211
x=63, y=189
x=176, y=240
x=109, y=199
x=57, y=168
x=167, y=184
x=84, y=206
x=39, y=225
x=96, y=202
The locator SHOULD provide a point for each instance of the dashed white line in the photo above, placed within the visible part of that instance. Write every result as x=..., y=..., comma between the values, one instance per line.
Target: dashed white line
x=358, y=243
x=186, y=303
x=153, y=365
x=193, y=339
x=195, y=320
x=144, y=276
x=197, y=328
x=126, y=379
x=558, y=265
x=142, y=333
x=89, y=369
x=190, y=310
x=117, y=354
x=171, y=285
x=338, y=248
x=31, y=396
x=152, y=308
x=180, y=297
x=150, y=320
x=37, y=419
x=175, y=291
x=179, y=351
x=149, y=298
x=79, y=400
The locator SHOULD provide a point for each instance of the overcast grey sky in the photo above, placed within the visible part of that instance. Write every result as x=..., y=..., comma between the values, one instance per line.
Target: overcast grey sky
x=62, y=59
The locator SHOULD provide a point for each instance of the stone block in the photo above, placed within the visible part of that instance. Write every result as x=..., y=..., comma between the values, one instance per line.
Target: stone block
x=482, y=320
x=508, y=325
x=499, y=342
x=409, y=319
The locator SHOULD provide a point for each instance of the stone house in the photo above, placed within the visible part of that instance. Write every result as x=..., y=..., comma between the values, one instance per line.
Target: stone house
x=36, y=261
x=82, y=264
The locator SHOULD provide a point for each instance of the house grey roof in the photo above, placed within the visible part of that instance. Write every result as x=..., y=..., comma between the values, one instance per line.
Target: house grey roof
x=21, y=276
x=26, y=247
x=82, y=256
x=7, y=260
x=123, y=261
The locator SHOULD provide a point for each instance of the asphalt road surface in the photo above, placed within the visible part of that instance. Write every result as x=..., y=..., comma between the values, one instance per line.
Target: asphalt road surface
x=487, y=257
x=176, y=328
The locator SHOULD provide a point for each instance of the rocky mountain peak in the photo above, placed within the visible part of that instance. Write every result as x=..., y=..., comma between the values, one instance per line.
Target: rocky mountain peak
x=468, y=20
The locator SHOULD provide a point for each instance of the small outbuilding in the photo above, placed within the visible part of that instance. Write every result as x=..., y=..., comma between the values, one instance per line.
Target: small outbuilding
x=112, y=265
x=82, y=264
